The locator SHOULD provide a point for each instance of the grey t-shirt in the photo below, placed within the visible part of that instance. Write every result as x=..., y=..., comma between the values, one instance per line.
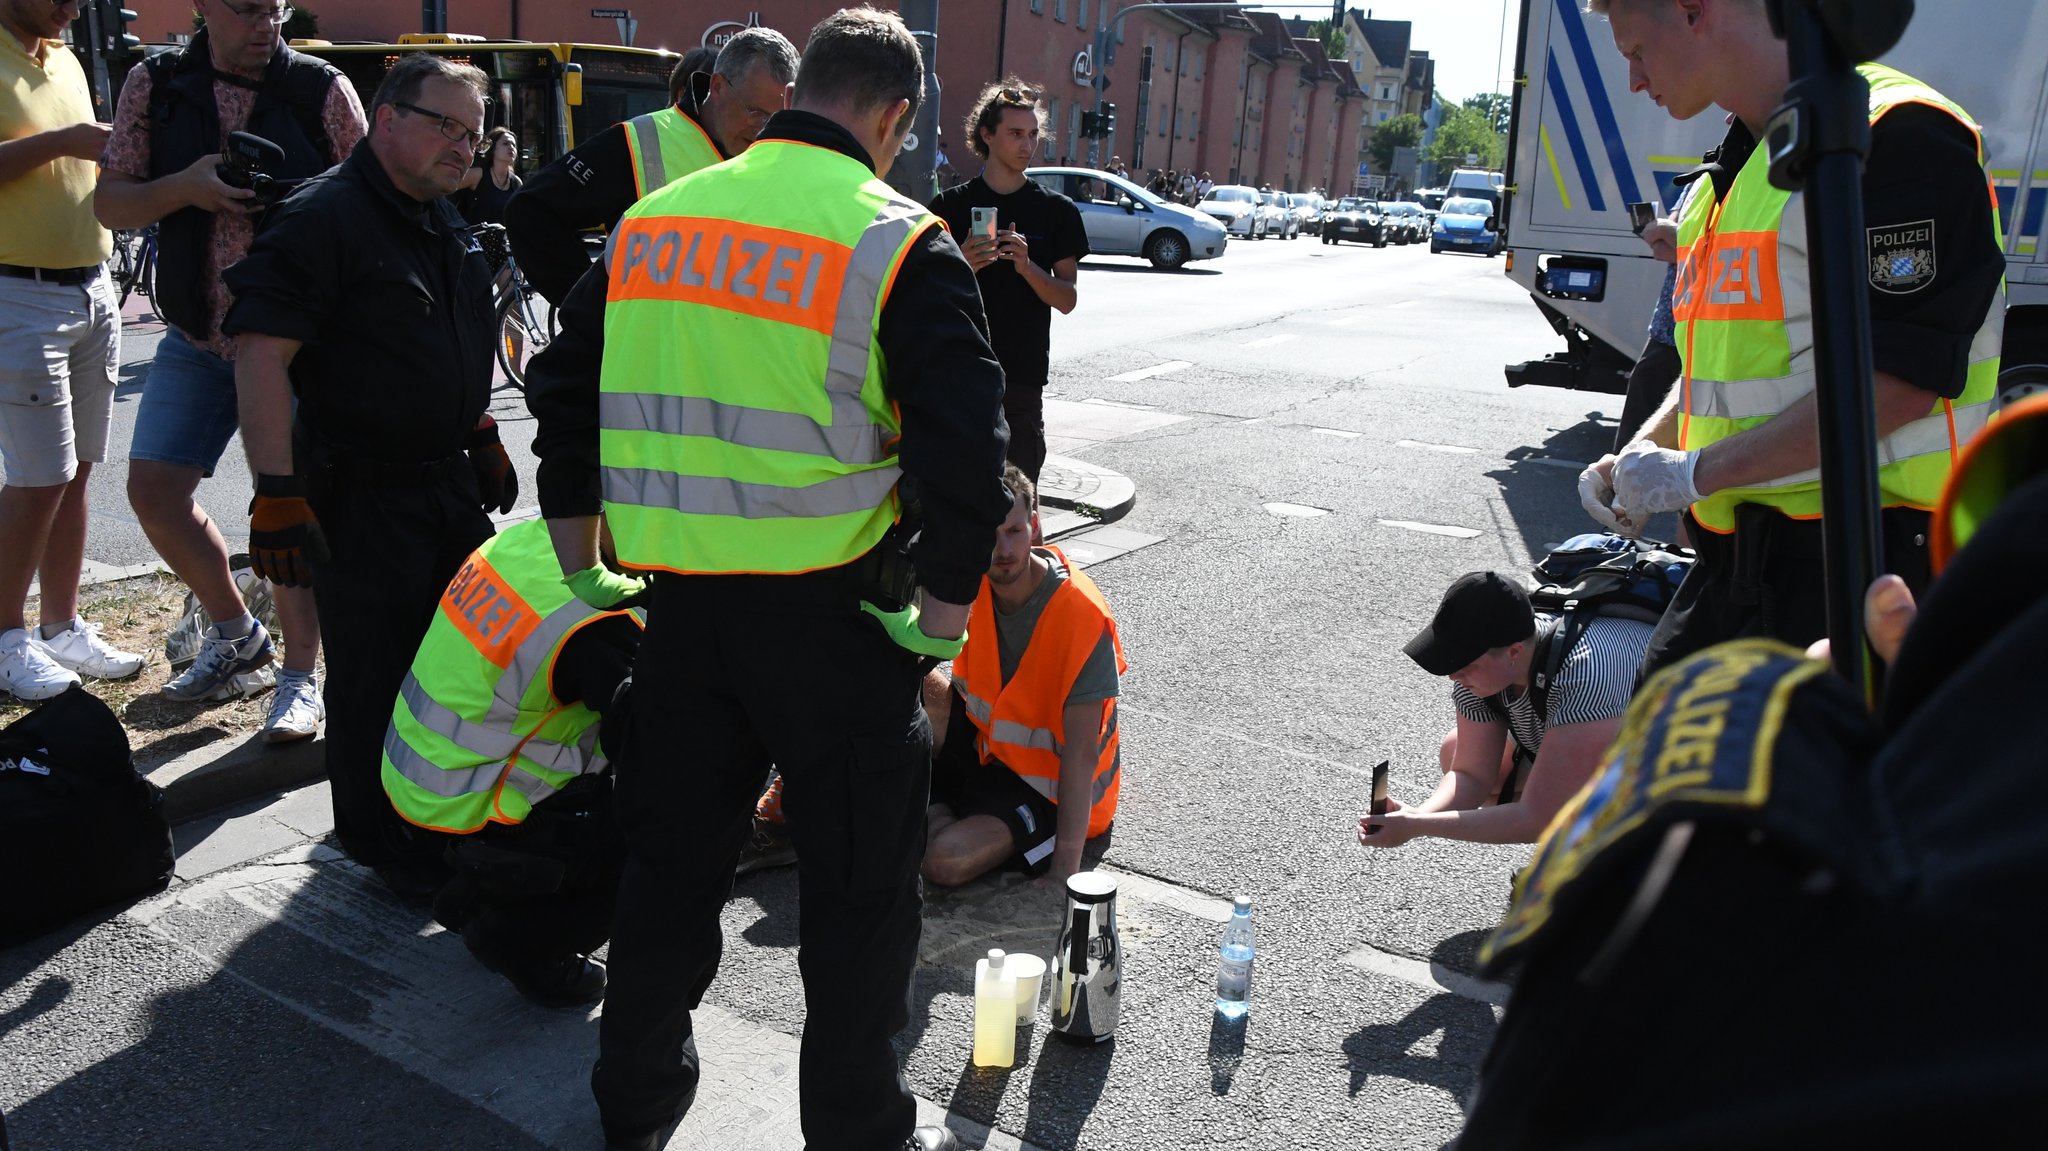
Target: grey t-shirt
x=1098, y=678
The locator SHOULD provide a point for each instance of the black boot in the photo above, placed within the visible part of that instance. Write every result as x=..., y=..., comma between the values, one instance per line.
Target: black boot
x=573, y=981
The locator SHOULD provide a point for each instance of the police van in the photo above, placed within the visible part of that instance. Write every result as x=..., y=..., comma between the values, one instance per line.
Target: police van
x=1583, y=148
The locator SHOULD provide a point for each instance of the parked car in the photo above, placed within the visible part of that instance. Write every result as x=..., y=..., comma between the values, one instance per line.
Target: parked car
x=1122, y=219
x=1462, y=226
x=1278, y=221
x=1238, y=209
x=1356, y=218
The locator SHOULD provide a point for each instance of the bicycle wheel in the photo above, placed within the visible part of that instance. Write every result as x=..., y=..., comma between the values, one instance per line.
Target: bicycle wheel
x=522, y=331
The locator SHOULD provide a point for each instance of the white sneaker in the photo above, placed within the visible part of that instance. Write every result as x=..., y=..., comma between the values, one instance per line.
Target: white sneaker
x=27, y=670
x=220, y=661
x=80, y=648
x=295, y=711
x=182, y=643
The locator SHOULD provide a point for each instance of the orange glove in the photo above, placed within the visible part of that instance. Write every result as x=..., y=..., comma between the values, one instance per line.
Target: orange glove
x=285, y=540
x=496, y=480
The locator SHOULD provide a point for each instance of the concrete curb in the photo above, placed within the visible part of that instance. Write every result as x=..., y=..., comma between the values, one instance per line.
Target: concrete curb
x=1076, y=485
x=229, y=771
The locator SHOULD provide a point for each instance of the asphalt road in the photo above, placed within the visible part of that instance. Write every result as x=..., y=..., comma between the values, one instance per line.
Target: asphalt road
x=1336, y=444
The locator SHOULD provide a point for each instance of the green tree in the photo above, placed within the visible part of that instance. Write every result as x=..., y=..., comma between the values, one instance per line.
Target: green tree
x=304, y=24
x=1466, y=131
x=1403, y=131
x=1496, y=106
x=1331, y=38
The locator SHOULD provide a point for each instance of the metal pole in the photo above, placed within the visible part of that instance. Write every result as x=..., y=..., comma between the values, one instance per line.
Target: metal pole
x=914, y=172
x=1817, y=142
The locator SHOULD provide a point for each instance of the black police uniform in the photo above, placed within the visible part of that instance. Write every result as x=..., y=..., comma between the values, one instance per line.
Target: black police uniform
x=392, y=304
x=1765, y=578
x=588, y=188
x=785, y=669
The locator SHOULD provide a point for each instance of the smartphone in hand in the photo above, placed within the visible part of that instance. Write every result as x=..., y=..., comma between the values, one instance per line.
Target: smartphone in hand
x=983, y=223
x=1642, y=214
x=1379, y=791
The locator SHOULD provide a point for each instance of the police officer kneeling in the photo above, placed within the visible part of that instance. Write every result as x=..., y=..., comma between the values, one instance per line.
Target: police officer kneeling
x=495, y=740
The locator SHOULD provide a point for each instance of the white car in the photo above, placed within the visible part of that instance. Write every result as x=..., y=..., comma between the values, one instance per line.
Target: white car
x=1238, y=209
x=1122, y=219
x=1306, y=211
x=1280, y=222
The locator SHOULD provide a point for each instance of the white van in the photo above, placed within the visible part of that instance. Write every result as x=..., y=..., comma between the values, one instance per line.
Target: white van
x=1475, y=184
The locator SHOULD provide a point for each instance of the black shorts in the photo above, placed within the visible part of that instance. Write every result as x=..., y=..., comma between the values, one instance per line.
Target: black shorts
x=970, y=787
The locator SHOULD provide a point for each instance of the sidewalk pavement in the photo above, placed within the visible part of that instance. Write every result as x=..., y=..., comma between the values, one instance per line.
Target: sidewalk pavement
x=1080, y=499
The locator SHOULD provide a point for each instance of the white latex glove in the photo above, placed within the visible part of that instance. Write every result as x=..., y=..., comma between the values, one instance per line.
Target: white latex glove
x=1596, y=495
x=1649, y=479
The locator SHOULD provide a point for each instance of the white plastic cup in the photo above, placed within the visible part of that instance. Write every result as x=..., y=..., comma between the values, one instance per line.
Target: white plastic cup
x=1030, y=972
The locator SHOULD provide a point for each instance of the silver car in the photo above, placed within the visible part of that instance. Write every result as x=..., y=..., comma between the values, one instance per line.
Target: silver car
x=1122, y=219
x=1238, y=209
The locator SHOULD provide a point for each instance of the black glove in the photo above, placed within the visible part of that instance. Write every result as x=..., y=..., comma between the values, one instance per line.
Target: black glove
x=285, y=540
x=495, y=479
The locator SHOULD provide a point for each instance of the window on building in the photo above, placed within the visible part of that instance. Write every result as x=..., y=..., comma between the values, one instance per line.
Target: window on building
x=1383, y=117
x=1052, y=122
x=1059, y=10
x=1081, y=14
x=1197, y=74
x=1194, y=118
x=1038, y=7
x=1161, y=120
x=1386, y=91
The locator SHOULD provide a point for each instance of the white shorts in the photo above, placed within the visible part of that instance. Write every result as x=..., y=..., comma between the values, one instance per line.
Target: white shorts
x=60, y=351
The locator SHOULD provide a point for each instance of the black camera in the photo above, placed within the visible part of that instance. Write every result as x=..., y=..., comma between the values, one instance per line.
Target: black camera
x=248, y=161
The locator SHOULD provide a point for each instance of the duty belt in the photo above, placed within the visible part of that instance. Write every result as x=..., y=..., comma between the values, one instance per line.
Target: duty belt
x=394, y=473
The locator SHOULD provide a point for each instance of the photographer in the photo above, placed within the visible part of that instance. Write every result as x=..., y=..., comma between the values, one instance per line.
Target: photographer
x=163, y=164
x=1483, y=639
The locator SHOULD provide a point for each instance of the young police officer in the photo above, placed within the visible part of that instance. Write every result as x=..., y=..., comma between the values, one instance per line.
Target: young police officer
x=1734, y=446
x=365, y=300
x=766, y=381
x=593, y=185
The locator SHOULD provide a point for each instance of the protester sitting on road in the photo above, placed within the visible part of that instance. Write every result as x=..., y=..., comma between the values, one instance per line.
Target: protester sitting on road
x=1483, y=637
x=495, y=742
x=1031, y=801
x=162, y=166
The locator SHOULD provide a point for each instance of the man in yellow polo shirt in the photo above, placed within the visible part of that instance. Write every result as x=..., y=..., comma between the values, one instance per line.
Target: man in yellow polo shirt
x=59, y=349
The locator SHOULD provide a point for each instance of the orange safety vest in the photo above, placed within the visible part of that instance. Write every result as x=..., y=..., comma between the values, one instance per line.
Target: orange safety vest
x=1023, y=723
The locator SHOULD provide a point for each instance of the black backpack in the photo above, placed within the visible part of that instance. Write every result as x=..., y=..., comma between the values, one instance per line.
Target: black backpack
x=1596, y=574
x=78, y=827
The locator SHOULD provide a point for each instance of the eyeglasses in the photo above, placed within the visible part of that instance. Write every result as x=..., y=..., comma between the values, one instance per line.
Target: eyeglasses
x=450, y=127
x=277, y=15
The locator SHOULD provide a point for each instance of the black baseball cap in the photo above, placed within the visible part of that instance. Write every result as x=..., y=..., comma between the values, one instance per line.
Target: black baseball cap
x=1480, y=612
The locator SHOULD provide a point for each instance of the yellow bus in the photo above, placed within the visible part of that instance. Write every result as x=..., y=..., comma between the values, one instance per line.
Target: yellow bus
x=552, y=96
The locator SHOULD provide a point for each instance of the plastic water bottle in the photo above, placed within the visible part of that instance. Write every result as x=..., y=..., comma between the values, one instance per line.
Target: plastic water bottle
x=1234, y=969
x=995, y=1013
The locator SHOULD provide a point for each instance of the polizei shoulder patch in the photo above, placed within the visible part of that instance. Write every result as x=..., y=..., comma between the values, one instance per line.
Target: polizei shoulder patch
x=1901, y=256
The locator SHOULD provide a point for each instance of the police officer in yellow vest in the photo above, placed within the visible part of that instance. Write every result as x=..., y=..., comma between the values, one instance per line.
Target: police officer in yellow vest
x=717, y=110
x=1030, y=763
x=1735, y=445
x=494, y=741
x=784, y=341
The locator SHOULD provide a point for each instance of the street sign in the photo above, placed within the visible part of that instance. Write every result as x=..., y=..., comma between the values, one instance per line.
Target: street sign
x=610, y=13
x=1364, y=172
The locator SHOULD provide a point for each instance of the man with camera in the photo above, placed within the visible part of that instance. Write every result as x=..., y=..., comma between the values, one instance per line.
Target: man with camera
x=1509, y=767
x=746, y=436
x=1027, y=260
x=593, y=185
x=366, y=301
x=1734, y=447
x=172, y=161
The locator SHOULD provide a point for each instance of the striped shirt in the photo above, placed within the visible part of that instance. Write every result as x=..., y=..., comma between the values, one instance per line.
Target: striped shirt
x=1593, y=683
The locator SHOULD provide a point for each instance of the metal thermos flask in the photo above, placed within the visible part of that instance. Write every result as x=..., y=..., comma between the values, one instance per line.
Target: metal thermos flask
x=1086, y=984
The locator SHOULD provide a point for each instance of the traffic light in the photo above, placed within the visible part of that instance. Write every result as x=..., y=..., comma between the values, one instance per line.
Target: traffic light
x=1106, y=122
x=121, y=44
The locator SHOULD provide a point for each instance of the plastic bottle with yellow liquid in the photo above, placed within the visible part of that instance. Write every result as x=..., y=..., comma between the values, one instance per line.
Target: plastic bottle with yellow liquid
x=995, y=1012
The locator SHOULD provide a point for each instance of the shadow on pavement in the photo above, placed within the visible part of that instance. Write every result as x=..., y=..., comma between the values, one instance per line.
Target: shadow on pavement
x=1461, y=1029
x=1226, y=1051
x=1183, y=270
x=1540, y=484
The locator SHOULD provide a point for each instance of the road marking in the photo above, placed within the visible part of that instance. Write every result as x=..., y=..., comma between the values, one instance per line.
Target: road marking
x=1345, y=321
x=1126, y=405
x=1271, y=340
x=1186, y=900
x=1299, y=511
x=1431, y=529
x=1255, y=420
x=1452, y=448
x=1154, y=370
x=1337, y=432
x=1428, y=976
x=1556, y=462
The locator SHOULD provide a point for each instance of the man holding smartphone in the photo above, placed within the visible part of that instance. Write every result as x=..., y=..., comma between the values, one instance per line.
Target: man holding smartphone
x=1027, y=266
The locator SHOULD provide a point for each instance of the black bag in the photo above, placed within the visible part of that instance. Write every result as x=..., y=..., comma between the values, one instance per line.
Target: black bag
x=78, y=827
x=1596, y=574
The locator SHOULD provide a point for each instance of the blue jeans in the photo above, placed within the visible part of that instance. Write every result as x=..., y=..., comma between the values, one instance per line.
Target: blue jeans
x=188, y=411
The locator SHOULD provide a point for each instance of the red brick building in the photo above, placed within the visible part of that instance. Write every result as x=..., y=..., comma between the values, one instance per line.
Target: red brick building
x=1235, y=95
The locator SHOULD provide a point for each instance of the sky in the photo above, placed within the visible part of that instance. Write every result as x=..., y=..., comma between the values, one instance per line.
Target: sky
x=1462, y=36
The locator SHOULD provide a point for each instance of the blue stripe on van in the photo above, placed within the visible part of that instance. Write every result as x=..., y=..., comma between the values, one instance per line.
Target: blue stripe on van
x=1596, y=95
x=1570, y=119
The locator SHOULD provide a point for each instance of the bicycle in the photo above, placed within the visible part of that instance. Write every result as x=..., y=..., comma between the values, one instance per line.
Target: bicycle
x=525, y=320
x=134, y=262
